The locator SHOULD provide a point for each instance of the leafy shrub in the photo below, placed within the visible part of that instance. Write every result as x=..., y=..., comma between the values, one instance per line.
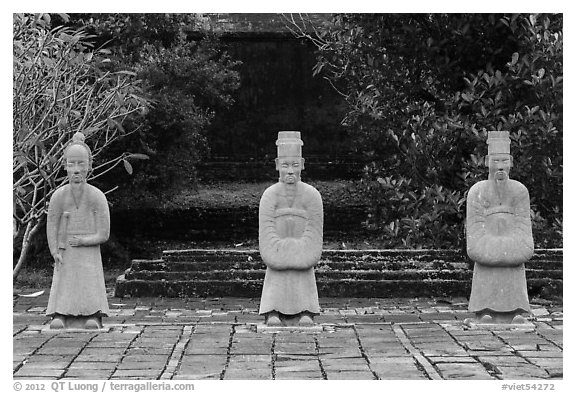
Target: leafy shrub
x=61, y=86
x=187, y=79
x=423, y=90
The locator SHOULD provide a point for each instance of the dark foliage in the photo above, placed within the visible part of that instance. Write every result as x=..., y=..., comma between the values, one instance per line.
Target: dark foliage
x=187, y=81
x=424, y=89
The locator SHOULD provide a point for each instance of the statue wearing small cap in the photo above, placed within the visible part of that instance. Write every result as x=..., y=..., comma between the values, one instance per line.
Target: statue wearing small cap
x=499, y=239
x=78, y=222
x=290, y=239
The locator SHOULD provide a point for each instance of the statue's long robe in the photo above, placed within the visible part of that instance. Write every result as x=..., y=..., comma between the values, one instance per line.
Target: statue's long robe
x=290, y=241
x=499, y=241
x=78, y=287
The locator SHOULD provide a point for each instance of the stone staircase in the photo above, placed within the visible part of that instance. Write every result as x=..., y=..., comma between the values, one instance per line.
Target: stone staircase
x=340, y=273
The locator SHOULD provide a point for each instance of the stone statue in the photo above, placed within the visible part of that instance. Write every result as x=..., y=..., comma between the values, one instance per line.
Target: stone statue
x=78, y=222
x=499, y=239
x=291, y=224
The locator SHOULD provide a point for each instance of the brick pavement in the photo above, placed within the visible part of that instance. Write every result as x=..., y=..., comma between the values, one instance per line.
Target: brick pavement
x=366, y=339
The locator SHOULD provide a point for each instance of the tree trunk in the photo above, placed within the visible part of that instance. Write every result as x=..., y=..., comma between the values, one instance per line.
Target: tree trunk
x=28, y=235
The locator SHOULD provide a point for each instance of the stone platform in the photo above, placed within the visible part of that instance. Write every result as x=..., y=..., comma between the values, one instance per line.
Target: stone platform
x=340, y=273
x=218, y=338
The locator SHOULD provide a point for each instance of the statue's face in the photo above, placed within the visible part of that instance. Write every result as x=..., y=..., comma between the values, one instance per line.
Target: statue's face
x=289, y=169
x=77, y=163
x=499, y=166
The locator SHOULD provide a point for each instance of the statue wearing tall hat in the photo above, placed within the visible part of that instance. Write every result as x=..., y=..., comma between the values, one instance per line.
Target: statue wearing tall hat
x=499, y=239
x=290, y=239
x=78, y=222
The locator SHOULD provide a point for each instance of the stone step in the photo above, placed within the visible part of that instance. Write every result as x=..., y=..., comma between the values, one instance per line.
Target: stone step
x=326, y=288
x=377, y=275
x=205, y=255
x=371, y=273
x=254, y=264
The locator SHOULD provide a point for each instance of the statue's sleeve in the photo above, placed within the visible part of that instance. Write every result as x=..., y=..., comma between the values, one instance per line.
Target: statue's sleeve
x=290, y=253
x=511, y=248
x=522, y=231
x=102, y=218
x=53, y=221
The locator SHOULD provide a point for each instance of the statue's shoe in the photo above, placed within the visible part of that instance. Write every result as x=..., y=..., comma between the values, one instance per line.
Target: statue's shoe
x=305, y=320
x=273, y=320
x=486, y=319
x=57, y=323
x=91, y=323
x=519, y=319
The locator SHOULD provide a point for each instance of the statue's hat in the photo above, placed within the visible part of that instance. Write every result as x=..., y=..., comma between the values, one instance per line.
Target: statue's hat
x=289, y=144
x=78, y=140
x=498, y=142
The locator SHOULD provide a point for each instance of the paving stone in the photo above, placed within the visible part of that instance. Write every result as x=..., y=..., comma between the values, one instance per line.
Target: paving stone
x=205, y=346
x=248, y=374
x=524, y=372
x=157, y=365
x=194, y=376
x=438, y=316
x=145, y=358
x=538, y=312
x=93, y=366
x=491, y=353
x=402, y=372
x=297, y=375
x=396, y=350
x=363, y=319
x=431, y=339
x=344, y=365
x=60, y=365
x=463, y=371
x=289, y=349
x=485, y=346
x=99, y=358
x=88, y=374
x=541, y=354
x=341, y=354
x=47, y=373
x=201, y=368
x=297, y=367
x=289, y=357
x=251, y=349
x=349, y=375
x=89, y=351
x=466, y=332
x=136, y=374
x=400, y=318
x=505, y=361
x=546, y=362
x=451, y=359
x=428, y=352
x=406, y=359
x=107, y=344
x=37, y=358
x=59, y=350
x=555, y=372
x=427, y=334
x=524, y=347
x=157, y=325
